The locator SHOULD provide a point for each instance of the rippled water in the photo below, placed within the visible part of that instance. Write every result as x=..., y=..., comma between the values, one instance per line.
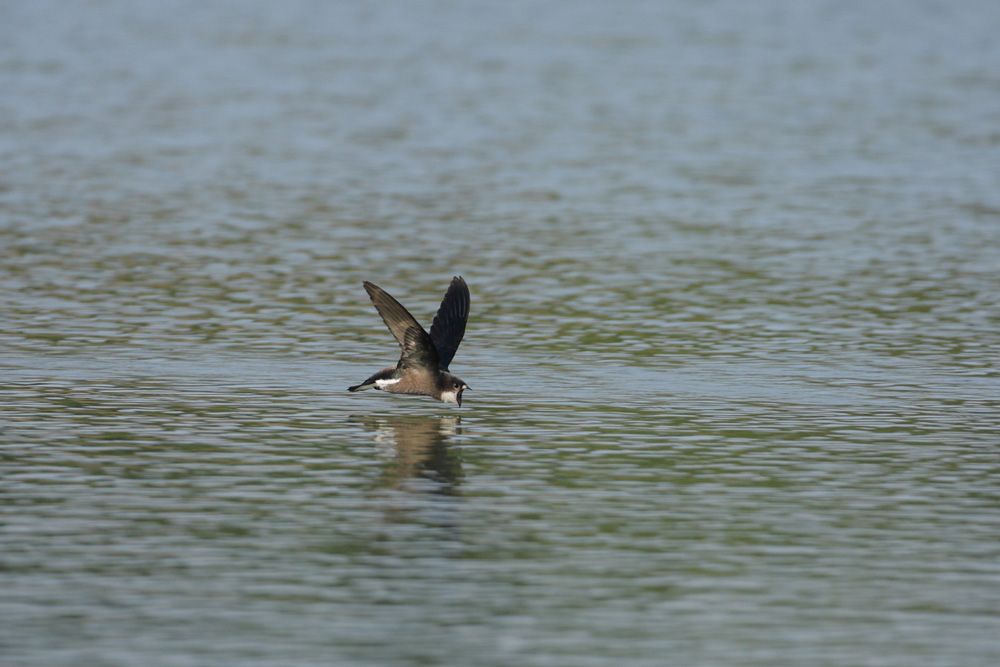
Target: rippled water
x=734, y=342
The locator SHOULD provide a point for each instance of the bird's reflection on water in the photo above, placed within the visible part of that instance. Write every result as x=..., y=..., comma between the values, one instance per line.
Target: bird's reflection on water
x=416, y=452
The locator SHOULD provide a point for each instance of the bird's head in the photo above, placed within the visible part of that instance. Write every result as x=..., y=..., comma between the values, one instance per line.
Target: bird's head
x=452, y=392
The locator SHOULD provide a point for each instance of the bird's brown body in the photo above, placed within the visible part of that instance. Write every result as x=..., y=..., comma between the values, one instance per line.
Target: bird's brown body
x=422, y=368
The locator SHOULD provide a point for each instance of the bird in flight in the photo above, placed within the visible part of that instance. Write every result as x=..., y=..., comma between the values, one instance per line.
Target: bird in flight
x=423, y=365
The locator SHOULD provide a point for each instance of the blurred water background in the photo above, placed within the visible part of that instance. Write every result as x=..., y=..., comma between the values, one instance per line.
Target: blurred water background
x=733, y=349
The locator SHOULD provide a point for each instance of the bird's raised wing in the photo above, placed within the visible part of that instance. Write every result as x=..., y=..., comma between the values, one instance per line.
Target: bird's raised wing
x=418, y=348
x=448, y=327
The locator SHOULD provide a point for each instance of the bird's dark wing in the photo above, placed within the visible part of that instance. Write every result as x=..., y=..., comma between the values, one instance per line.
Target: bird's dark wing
x=448, y=327
x=418, y=349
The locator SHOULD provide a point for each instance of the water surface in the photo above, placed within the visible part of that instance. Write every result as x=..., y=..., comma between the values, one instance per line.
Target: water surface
x=734, y=343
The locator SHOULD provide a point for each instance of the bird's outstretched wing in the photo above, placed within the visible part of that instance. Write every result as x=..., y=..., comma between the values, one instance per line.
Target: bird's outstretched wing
x=418, y=348
x=448, y=327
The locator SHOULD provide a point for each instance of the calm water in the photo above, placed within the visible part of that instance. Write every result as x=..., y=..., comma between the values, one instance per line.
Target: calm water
x=734, y=343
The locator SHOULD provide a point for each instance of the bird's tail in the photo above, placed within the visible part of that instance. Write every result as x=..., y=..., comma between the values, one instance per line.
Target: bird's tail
x=361, y=387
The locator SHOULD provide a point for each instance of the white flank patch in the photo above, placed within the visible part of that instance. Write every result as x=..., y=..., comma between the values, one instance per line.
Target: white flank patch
x=382, y=384
x=449, y=397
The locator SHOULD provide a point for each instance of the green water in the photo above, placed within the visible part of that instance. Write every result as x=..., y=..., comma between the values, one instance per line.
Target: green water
x=733, y=346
